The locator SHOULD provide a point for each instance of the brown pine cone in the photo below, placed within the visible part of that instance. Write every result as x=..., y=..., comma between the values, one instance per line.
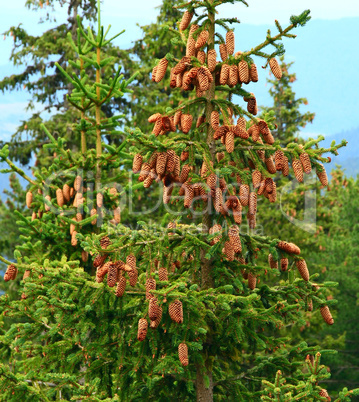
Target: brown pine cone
x=74, y=239
x=184, y=156
x=307, y=166
x=256, y=178
x=186, y=122
x=185, y=172
x=121, y=286
x=173, y=79
x=234, y=239
x=188, y=195
x=322, y=175
x=201, y=56
x=157, y=128
x=223, y=51
x=150, y=285
x=153, y=309
x=326, y=314
x=177, y=117
x=270, y=165
x=29, y=199
x=285, y=170
x=290, y=248
x=47, y=208
x=214, y=119
x=203, y=83
x=279, y=158
x=102, y=271
x=154, y=71
x=145, y=170
x=233, y=76
x=201, y=119
x=243, y=71
x=191, y=43
x=284, y=264
x=11, y=273
x=175, y=310
x=161, y=70
x=252, y=204
x=275, y=67
x=237, y=212
x=161, y=163
x=223, y=78
x=105, y=242
x=303, y=269
x=228, y=251
x=186, y=20
x=99, y=260
x=149, y=179
x=154, y=117
x=99, y=199
x=252, y=281
x=215, y=229
x=253, y=131
x=241, y=123
x=272, y=262
x=26, y=274
x=183, y=354
x=211, y=180
x=323, y=392
x=131, y=261
x=202, y=39
x=298, y=170
x=84, y=256
x=142, y=329
x=180, y=67
x=229, y=141
x=133, y=276
x=244, y=194
x=154, y=324
x=117, y=215
x=253, y=73
x=163, y=274
x=59, y=197
x=78, y=183
x=230, y=42
x=66, y=192
x=211, y=59
x=252, y=105
x=251, y=220
x=137, y=163
x=112, y=275
x=218, y=200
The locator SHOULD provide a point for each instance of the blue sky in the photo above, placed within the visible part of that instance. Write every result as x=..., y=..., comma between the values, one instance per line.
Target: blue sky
x=125, y=15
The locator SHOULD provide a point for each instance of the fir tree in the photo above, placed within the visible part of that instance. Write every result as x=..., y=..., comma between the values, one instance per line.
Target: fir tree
x=186, y=311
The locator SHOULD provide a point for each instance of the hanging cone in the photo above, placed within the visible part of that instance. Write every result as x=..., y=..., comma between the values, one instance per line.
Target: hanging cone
x=105, y=242
x=211, y=59
x=11, y=273
x=188, y=195
x=185, y=172
x=290, y=248
x=229, y=142
x=186, y=20
x=270, y=165
x=191, y=43
x=279, y=158
x=252, y=106
x=175, y=310
x=59, y=197
x=272, y=262
x=186, y=122
x=154, y=117
x=241, y=123
x=145, y=170
x=157, y=127
x=161, y=163
x=285, y=170
x=303, y=269
x=99, y=260
x=47, y=208
x=177, y=117
x=163, y=274
x=215, y=229
x=184, y=156
x=137, y=163
x=283, y=264
x=211, y=181
x=218, y=200
x=142, y=329
x=275, y=67
x=234, y=239
x=243, y=71
x=66, y=192
x=182, y=65
x=203, y=82
x=78, y=183
x=112, y=275
x=305, y=160
x=74, y=239
x=33, y=216
x=232, y=76
x=323, y=392
x=26, y=274
x=253, y=73
x=121, y=286
x=102, y=271
x=117, y=215
x=252, y=281
x=214, y=119
x=237, y=212
x=251, y=220
x=228, y=251
x=149, y=179
x=154, y=324
x=133, y=276
x=244, y=194
x=131, y=261
x=183, y=354
x=161, y=70
x=99, y=199
x=230, y=42
x=256, y=178
x=201, y=119
x=150, y=285
x=84, y=256
x=201, y=56
x=326, y=314
x=219, y=156
x=29, y=199
x=171, y=160
x=202, y=39
x=322, y=175
x=223, y=52
x=252, y=205
x=153, y=309
x=298, y=170
x=224, y=74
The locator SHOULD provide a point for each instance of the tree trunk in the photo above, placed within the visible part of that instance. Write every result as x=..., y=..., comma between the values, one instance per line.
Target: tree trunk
x=204, y=394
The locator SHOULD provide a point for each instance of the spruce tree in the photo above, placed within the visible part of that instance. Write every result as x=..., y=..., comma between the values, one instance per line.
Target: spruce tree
x=181, y=308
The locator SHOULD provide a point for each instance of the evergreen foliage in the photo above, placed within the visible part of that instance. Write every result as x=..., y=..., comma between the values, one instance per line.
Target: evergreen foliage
x=194, y=277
